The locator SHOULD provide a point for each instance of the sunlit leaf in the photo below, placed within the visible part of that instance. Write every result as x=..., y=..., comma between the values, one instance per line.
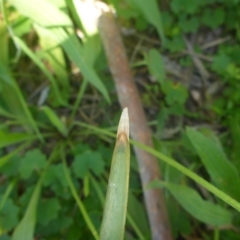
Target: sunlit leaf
x=67, y=40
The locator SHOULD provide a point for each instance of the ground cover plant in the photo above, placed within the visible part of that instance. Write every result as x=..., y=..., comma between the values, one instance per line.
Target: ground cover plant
x=59, y=112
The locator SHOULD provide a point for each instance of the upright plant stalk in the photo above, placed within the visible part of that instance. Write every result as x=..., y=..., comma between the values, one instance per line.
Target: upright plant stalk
x=115, y=210
x=128, y=96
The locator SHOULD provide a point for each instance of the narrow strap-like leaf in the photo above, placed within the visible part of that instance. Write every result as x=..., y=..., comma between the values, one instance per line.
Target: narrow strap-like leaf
x=117, y=193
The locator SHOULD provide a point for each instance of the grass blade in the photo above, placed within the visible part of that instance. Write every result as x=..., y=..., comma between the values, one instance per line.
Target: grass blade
x=7, y=193
x=7, y=139
x=52, y=52
x=53, y=18
x=43, y=68
x=152, y=13
x=5, y=159
x=117, y=193
x=55, y=120
x=25, y=229
x=14, y=100
x=78, y=200
x=43, y=12
x=211, y=188
x=223, y=173
x=192, y=202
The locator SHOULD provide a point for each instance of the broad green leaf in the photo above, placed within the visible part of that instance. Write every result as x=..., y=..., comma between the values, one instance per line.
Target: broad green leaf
x=136, y=211
x=84, y=9
x=22, y=25
x=175, y=93
x=152, y=13
x=48, y=210
x=202, y=210
x=43, y=12
x=88, y=160
x=175, y=45
x=213, y=18
x=33, y=160
x=5, y=159
x=8, y=215
x=190, y=7
x=155, y=65
x=58, y=3
x=54, y=174
x=221, y=170
x=136, y=216
x=76, y=54
x=11, y=169
x=25, y=229
x=62, y=223
x=114, y=216
x=220, y=63
x=235, y=131
x=7, y=139
x=179, y=218
x=55, y=120
x=67, y=40
x=188, y=24
x=78, y=199
x=91, y=40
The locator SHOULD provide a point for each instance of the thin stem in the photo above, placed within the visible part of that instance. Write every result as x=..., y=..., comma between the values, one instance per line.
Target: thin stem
x=79, y=98
x=77, y=199
x=211, y=188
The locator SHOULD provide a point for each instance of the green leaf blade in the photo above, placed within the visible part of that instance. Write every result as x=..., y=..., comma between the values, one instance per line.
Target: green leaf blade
x=152, y=13
x=155, y=65
x=221, y=170
x=33, y=160
x=200, y=209
x=55, y=120
x=117, y=193
x=7, y=139
x=25, y=229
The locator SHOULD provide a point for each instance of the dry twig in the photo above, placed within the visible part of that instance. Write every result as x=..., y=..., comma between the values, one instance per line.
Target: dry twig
x=129, y=97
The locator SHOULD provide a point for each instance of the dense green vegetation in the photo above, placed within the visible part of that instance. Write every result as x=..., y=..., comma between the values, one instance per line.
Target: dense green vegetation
x=59, y=113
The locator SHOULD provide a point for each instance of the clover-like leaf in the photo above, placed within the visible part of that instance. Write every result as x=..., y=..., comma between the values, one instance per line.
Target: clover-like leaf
x=88, y=160
x=33, y=160
x=8, y=215
x=48, y=210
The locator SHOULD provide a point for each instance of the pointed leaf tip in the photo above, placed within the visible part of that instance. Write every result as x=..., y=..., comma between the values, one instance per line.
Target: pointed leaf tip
x=123, y=126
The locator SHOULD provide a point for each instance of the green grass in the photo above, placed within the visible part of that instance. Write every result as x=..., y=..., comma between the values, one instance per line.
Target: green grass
x=59, y=116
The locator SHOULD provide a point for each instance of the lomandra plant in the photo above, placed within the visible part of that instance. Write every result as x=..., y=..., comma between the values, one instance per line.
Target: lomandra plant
x=117, y=193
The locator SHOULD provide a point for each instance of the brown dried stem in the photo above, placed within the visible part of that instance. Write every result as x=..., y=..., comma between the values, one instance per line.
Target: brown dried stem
x=129, y=97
